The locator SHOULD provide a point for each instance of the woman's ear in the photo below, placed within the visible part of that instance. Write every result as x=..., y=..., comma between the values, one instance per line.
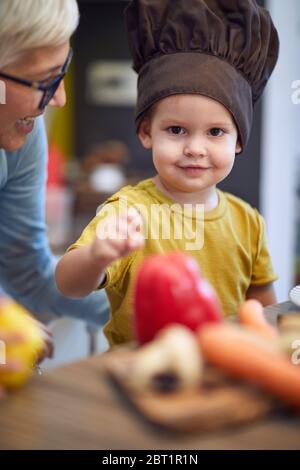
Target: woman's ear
x=144, y=133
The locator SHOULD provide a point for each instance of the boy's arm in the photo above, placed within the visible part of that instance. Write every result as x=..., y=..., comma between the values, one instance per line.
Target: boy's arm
x=264, y=293
x=82, y=270
x=76, y=273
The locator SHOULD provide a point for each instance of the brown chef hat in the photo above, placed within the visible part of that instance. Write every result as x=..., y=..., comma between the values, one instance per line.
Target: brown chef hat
x=223, y=49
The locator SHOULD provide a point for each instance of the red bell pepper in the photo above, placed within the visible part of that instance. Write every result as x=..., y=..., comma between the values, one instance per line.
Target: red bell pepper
x=170, y=289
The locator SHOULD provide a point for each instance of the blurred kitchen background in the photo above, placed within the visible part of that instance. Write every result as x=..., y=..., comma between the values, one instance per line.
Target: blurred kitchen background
x=93, y=150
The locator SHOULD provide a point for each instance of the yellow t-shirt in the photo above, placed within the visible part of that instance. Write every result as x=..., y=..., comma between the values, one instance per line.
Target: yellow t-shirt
x=228, y=243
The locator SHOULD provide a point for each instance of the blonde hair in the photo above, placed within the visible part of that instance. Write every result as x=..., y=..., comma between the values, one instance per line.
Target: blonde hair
x=29, y=24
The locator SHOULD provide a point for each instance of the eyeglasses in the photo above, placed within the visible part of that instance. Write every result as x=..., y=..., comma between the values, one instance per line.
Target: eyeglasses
x=49, y=89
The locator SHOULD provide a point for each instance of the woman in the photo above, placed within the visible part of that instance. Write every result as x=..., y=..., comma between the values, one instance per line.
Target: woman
x=34, y=56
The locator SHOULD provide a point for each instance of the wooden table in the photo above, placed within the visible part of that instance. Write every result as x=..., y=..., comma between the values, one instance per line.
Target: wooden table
x=75, y=407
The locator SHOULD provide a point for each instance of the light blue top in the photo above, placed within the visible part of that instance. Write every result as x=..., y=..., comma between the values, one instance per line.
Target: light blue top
x=26, y=262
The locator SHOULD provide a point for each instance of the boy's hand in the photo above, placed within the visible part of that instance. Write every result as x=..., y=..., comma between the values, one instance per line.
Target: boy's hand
x=117, y=237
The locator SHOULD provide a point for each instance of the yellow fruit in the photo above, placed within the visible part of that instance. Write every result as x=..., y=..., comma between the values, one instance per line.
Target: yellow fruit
x=14, y=319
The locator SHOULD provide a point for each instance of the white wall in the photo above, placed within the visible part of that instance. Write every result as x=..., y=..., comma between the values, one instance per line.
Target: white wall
x=281, y=145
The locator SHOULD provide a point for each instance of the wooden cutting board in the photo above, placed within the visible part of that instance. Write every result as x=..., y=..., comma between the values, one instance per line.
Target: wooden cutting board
x=219, y=402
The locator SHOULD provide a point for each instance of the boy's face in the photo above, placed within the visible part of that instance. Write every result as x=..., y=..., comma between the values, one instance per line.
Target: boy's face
x=193, y=140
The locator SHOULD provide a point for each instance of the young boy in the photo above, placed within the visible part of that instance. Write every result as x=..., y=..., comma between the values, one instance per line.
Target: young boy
x=202, y=65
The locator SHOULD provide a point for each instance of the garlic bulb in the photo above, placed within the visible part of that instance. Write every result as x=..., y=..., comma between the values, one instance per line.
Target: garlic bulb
x=174, y=355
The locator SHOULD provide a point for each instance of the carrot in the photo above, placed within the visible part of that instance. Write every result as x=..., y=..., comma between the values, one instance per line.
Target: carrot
x=251, y=314
x=246, y=355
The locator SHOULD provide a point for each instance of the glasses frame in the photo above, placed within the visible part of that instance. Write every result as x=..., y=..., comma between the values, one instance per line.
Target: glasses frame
x=48, y=90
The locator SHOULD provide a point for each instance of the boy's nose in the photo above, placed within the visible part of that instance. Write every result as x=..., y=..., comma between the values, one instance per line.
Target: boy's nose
x=59, y=99
x=195, y=147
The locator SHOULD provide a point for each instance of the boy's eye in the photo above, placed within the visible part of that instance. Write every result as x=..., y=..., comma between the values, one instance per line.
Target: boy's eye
x=177, y=130
x=216, y=132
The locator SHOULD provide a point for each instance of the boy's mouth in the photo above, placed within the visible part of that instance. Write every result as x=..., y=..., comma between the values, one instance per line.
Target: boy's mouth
x=193, y=167
x=193, y=170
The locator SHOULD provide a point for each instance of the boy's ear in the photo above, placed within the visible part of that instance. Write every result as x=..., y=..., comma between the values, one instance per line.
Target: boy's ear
x=144, y=133
x=238, y=147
